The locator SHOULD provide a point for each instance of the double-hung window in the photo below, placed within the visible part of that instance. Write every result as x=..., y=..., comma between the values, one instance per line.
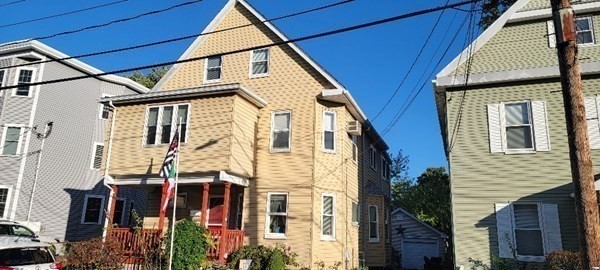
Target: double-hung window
x=372, y=157
x=328, y=217
x=259, y=63
x=97, y=157
x=518, y=127
x=213, y=69
x=277, y=215
x=585, y=30
x=11, y=140
x=329, y=131
x=527, y=229
x=92, y=209
x=519, y=130
x=373, y=224
x=384, y=168
x=24, y=76
x=354, y=148
x=162, y=121
x=4, y=199
x=355, y=213
x=281, y=127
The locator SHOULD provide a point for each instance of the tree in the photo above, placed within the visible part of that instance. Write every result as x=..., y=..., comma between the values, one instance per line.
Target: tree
x=149, y=79
x=491, y=10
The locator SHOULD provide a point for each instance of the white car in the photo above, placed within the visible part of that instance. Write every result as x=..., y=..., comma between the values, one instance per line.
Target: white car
x=12, y=228
x=17, y=253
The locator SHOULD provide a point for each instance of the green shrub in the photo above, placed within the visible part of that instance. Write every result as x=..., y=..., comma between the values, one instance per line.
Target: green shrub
x=189, y=246
x=564, y=260
x=263, y=257
x=93, y=254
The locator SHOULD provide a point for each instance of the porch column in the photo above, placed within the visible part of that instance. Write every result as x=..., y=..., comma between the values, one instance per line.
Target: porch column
x=224, y=234
x=113, y=202
x=161, y=214
x=205, y=191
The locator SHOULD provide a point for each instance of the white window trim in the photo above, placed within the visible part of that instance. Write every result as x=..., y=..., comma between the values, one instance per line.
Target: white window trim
x=8, y=202
x=124, y=208
x=372, y=157
x=331, y=151
x=527, y=258
x=269, y=235
x=174, y=119
x=94, y=156
x=20, y=143
x=383, y=164
x=591, y=20
x=16, y=81
x=504, y=126
x=252, y=76
x=333, y=216
x=280, y=150
x=3, y=80
x=205, y=80
x=83, y=212
x=102, y=106
x=373, y=240
x=354, y=140
x=355, y=223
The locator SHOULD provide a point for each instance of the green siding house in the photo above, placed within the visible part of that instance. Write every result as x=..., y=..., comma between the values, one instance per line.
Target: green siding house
x=505, y=135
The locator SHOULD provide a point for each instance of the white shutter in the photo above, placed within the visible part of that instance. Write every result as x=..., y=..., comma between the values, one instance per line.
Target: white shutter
x=551, y=228
x=551, y=34
x=495, y=128
x=591, y=115
x=504, y=230
x=540, y=126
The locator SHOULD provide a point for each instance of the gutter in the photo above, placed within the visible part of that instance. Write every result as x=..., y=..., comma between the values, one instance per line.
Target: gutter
x=111, y=192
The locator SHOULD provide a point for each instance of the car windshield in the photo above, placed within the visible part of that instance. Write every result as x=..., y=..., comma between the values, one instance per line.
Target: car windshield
x=25, y=256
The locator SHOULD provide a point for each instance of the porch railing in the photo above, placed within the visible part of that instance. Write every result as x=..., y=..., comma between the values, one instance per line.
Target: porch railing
x=225, y=241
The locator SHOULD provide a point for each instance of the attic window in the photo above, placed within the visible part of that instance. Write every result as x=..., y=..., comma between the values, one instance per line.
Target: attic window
x=259, y=63
x=213, y=67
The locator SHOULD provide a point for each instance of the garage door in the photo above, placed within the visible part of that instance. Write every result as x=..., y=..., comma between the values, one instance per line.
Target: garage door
x=413, y=252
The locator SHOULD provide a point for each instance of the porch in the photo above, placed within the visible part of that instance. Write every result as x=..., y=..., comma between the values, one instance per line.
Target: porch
x=216, y=205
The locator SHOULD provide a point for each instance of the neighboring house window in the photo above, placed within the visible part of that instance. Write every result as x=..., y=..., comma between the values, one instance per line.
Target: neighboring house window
x=384, y=168
x=119, y=211
x=97, y=157
x=591, y=115
x=386, y=226
x=328, y=217
x=373, y=224
x=4, y=198
x=11, y=140
x=354, y=148
x=2, y=72
x=527, y=231
x=329, y=131
x=162, y=121
x=24, y=76
x=92, y=209
x=104, y=109
x=355, y=213
x=259, y=62
x=585, y=30
x=373, y=156
x=281, y=126
x=518, y=127
x=213, y=69
x=277, y=215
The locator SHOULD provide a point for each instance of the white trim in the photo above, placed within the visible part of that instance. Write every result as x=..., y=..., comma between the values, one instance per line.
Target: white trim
x=16, y=81
x=174, y=119
x=220, y=177
x=358, y=214
x=373, y=240
x=334, y=130
x=280, y=150
x=333, y=216
x=443, y=235
x=372, y=157
x=19, y=144
x=84, y=210
x=94, y=156
x=590, y=19
x=260, y=75
x=528, y=258
x=101, y=110
x=7, y=204
x=537, y=14
x=269, y=235
x=205, y=80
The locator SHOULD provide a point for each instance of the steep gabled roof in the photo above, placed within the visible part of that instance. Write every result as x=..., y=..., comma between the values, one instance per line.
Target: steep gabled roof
x=443, y=235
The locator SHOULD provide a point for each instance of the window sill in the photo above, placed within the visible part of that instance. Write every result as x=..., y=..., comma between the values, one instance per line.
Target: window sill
x=519, y=152
x=212, y=81
x=90, y=223
x=373, y=241
x=276, y=236
x=274, y=151
x=257, y=76
x=522, y=258
x=160, y=145
x=326, y=151
x=20, y=96
x=326, y=238
x=17, y=155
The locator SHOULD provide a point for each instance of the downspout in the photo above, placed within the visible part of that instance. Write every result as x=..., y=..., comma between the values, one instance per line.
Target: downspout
x=111, y=190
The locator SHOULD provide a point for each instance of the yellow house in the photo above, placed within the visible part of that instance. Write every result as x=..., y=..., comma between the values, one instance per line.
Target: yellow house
x=273, y=150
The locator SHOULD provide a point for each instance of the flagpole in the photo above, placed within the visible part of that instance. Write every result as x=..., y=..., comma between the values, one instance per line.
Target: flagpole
x=175, y=193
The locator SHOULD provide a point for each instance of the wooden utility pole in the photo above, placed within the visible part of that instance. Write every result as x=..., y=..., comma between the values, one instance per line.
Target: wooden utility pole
x=586, y=204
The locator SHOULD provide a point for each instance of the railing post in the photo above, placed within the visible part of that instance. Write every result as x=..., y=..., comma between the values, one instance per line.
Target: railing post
x=224, y=235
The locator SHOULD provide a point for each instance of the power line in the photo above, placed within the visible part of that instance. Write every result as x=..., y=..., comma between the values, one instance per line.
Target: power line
x=319, y=35
x=412, y=65
x=62, y=14
x=103, y=24
x=178, y=38
x=12, y=3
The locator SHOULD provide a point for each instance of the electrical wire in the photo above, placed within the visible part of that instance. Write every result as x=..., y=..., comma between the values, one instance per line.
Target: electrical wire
x=178, y=38
x=314, y=36
x=62, y=14
x=12, y=3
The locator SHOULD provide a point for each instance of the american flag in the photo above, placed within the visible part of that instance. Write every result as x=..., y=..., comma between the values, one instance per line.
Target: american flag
x=168, y=169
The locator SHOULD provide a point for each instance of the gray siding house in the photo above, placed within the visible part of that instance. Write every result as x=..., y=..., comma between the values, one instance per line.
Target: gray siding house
x=58, y=190
x=505, y=135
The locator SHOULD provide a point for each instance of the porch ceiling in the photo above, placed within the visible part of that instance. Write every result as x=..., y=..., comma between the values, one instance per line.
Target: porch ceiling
x=220, y=177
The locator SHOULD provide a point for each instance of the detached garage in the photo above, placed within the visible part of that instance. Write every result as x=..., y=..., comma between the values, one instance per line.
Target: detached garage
x=413, y=239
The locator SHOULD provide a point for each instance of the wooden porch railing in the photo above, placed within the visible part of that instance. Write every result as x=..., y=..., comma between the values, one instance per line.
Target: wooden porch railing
x=225, y=241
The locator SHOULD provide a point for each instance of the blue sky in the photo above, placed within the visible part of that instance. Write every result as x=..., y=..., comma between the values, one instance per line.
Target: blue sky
x=369, y=62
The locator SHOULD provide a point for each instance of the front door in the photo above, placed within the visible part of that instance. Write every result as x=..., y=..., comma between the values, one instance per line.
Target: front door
x=215, y=211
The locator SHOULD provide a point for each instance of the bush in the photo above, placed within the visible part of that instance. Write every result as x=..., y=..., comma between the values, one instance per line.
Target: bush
x=93, y=254
x=264, y=257
x=564, y=260
x=189, y=246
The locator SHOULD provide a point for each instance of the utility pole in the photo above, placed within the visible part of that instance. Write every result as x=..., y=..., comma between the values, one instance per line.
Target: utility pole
x=586, y=204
